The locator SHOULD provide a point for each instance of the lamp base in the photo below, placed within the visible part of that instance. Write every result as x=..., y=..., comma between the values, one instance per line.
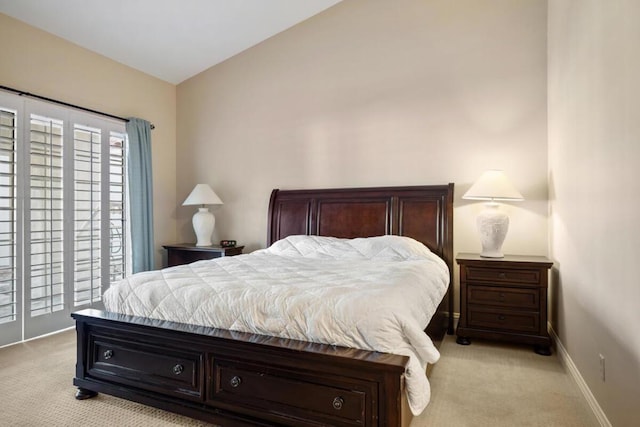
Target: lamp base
x=203, y=224
x=484, y=254
x=493, y=225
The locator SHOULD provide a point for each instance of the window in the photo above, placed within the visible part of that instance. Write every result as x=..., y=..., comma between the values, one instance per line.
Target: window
x=63, y=211
x=46, y=215
x=88, y=208
x=8, y=301
x=119, y=263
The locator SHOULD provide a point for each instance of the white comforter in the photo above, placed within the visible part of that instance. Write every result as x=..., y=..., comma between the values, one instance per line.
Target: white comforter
x=377, y=293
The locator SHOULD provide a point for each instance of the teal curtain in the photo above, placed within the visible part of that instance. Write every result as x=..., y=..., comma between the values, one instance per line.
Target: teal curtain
x=140, y=194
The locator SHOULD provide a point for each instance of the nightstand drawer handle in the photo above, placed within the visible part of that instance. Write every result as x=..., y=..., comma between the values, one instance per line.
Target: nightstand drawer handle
x=178, y=369
x=108, y=354
x=235, y=381
x=502, y=275
x=501, y=317
x=338, y=402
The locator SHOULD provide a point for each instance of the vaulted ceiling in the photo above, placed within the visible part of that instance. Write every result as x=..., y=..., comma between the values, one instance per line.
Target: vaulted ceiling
x=169, y=39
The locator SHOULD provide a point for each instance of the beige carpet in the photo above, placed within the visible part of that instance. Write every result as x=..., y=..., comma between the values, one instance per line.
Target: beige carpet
x=485, y=384
x=494, y=384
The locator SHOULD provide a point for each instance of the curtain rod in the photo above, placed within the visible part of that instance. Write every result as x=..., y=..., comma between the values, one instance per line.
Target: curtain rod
x=66, y=104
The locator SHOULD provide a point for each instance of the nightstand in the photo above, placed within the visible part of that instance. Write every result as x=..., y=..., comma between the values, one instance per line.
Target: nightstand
x=504, y=299
x=185, y=253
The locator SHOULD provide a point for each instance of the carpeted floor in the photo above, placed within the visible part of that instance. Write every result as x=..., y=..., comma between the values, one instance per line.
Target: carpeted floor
x=494, y=384
x=484, y=384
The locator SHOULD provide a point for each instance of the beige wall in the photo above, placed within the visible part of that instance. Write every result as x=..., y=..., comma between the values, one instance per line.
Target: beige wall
x=374, y=93
x=594, y=148
x=40, y=63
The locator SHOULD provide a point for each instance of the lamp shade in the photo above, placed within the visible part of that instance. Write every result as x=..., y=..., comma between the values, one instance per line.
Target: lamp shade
x=202, y=194
x=493, y=185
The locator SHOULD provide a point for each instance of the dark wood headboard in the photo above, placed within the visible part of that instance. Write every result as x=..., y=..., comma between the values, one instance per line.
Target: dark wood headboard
x=424, y=213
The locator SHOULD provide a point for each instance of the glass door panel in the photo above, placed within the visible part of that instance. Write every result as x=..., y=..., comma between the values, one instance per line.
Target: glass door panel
x=63, y=215
x=44, y=242
x=10, y=297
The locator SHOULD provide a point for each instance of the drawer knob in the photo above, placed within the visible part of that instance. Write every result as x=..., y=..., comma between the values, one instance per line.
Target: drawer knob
x=501, y=317
x=502, y=275
x=178, y=369
x=108, y=354
x=501, y=297
x=235, y=381
x=338, y=402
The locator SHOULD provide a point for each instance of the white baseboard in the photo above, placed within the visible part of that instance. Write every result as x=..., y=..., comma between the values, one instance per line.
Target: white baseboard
x=566, y=361
x=38, y=337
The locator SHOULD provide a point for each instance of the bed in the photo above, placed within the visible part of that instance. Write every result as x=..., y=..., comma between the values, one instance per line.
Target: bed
x=231, y=378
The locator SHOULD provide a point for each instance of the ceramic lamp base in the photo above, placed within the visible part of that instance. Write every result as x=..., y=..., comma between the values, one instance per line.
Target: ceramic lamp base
x=493, y=225
x=203, y=224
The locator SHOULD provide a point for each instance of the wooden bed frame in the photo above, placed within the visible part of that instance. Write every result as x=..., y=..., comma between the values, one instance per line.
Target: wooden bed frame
x=239, y=379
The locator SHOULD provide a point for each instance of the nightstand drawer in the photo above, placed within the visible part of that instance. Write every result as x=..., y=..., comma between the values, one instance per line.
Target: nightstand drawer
x=185, y=253
x=507, y=320
x=517, y=276
x=502, y=296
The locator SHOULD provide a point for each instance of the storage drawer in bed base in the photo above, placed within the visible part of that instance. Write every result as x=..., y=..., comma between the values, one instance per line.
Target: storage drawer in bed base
x=235, y=379
x=266, y=388
x=163, y=369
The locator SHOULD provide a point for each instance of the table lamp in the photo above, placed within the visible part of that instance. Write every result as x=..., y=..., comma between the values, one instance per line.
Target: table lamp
x=203, y=221
x=493, y=224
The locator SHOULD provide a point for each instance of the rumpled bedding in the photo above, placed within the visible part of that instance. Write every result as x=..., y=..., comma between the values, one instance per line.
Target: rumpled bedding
x=375, y=293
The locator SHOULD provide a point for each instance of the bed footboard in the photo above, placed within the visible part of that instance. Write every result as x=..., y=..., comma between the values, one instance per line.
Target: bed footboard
x=236, y=379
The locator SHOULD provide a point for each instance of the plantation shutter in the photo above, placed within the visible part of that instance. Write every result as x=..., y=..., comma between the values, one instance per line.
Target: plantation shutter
x=45, y=214
x=99, y=211
x=63, y=214
x=8, y=280
x=87, y=214
x=118, y=243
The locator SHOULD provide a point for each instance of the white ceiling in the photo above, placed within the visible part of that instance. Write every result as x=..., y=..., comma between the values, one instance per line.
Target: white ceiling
x=169, y=39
